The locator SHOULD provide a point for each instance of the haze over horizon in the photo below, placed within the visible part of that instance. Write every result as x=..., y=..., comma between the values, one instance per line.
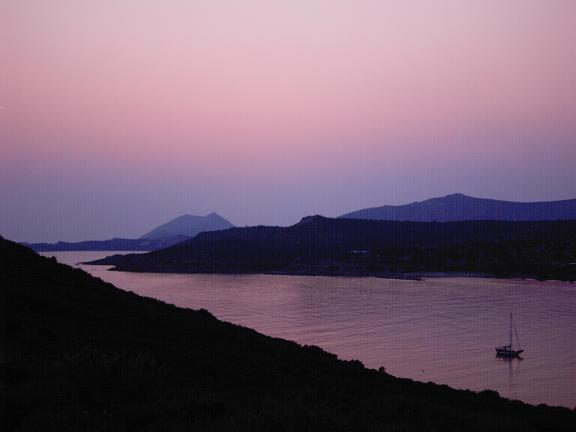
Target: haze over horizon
x=115, y=118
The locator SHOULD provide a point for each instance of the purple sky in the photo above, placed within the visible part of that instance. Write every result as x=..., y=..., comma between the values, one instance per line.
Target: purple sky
x=117, y=116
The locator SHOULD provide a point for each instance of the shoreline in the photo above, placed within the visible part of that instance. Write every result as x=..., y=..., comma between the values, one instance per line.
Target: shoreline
x=413, y=276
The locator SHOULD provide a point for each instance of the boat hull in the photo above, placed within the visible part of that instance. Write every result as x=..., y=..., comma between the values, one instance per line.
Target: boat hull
x=509, y=353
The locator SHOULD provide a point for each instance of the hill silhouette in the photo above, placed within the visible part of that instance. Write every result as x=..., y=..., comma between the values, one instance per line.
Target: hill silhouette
x=80, y=354
x=459, y=207
x=318, y=245
x=165, y=235
x=188, y=226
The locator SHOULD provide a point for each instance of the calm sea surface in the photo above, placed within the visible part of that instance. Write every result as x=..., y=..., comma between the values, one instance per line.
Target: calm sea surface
x=440, y=330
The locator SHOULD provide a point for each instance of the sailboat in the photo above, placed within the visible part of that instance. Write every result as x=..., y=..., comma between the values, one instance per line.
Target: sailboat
x=508, y=350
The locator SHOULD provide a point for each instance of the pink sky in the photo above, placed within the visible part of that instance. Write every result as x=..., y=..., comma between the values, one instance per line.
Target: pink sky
x=266, y=111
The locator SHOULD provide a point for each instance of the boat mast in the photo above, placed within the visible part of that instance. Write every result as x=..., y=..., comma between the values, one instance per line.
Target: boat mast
x=510, y=339
x=517, y=340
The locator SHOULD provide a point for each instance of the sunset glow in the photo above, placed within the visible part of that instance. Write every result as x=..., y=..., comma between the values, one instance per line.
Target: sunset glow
x=267, y=111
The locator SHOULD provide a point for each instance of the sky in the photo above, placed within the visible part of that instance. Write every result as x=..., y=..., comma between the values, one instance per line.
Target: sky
x=116, y=116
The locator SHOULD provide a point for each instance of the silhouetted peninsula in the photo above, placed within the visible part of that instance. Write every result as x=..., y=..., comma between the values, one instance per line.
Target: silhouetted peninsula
x=79, y=354
x=115, y=244
x=322, y=246
x=459, y=207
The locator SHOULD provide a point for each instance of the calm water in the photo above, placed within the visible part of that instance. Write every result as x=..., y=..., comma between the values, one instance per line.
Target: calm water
x=440, y=330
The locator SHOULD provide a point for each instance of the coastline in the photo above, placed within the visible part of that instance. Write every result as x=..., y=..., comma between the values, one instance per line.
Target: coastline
x=415, y=276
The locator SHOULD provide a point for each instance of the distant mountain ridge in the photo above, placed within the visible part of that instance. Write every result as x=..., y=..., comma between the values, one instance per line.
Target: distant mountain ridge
x=189, y=226
x=459, y=207
x=168, y=234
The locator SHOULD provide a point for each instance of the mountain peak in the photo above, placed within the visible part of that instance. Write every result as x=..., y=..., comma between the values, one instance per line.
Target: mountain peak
x=456, y=195
x=188, y=226
x=311, y=219
x=213, y=215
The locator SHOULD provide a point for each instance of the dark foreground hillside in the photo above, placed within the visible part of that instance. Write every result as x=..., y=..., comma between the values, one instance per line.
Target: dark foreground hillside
x=322, y=246
x=79, y=354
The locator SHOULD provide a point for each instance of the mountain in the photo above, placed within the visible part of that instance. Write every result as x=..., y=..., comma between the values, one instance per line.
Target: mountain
x=189, y=226
x=78, y=354
x=354, y=247
x=459, y=207
x=168, y=234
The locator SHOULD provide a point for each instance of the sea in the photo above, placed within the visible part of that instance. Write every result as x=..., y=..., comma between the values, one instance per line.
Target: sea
x=442, y=330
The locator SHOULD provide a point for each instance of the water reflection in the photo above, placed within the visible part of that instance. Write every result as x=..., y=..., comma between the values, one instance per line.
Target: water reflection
x=510, y=363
